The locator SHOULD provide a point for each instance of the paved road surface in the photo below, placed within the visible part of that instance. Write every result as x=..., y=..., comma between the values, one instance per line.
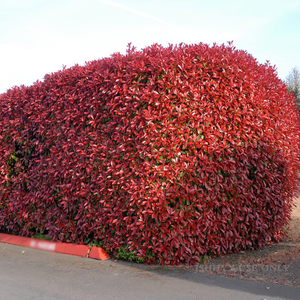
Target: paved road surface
x=33, y=274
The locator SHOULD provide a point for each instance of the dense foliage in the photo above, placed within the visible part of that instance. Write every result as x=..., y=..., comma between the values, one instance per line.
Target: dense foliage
x=171, y=153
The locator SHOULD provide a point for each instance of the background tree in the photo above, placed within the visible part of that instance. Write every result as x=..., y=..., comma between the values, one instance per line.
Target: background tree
x=293, y=84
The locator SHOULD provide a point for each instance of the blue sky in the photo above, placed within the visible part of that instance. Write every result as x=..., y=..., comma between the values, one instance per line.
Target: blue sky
x=40, y=36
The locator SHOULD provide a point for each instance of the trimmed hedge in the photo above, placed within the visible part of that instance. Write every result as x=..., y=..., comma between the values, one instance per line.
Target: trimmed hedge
x=172, y=153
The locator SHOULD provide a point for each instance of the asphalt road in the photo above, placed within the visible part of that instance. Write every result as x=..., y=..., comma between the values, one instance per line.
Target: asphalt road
x=34, y=274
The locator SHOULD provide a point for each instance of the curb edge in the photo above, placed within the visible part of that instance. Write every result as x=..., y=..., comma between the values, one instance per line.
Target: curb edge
x=58, y=247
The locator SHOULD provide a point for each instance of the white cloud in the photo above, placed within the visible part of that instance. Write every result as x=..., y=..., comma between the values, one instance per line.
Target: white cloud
x=135, y=11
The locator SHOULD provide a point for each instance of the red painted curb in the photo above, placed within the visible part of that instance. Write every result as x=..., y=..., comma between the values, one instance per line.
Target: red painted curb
x=72, y=249
x=64, y=248
x=98, y=253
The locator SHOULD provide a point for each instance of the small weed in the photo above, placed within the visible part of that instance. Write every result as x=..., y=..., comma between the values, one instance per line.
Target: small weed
x=125, y=254
x=41, y=236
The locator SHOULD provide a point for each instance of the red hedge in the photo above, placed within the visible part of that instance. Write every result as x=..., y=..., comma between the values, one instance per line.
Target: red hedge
x=177, y=152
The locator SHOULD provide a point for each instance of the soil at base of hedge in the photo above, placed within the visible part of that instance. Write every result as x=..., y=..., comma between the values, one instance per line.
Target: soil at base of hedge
x=278, y=263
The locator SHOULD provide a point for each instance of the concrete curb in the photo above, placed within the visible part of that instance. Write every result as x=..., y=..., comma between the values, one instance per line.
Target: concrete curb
x=64, y=248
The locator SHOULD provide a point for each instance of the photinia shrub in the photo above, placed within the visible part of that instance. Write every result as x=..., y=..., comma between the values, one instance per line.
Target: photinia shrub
x=171, y=153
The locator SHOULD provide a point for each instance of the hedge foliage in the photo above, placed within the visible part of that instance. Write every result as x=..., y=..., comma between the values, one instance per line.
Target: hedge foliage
x=172, y=153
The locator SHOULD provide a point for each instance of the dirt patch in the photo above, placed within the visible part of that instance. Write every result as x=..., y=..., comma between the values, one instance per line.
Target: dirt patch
x=279, y=263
